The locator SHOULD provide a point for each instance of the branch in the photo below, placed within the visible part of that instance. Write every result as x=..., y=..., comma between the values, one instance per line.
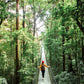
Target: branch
x=1, y=21
x=80, y=26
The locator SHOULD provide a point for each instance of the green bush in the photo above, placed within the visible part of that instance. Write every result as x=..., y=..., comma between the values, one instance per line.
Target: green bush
x=66, y=78
x=3, y=80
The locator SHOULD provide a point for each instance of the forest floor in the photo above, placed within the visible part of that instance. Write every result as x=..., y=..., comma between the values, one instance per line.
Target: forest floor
x=46, y=79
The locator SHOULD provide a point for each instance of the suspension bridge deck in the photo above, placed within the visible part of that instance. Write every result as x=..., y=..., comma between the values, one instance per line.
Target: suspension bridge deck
x=46, y=79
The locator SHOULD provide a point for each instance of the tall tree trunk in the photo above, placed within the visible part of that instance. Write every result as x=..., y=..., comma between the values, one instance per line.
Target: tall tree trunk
x=63, y=41
x=23, y=27
x=75, y=54
x=34, y=19
x=79, y=4
x=12, y=76
x=82, y=22
x=70, y=69
x=23, y=15
x=76, y=57
x=83, y=49
x=17, y=78
x=33, y=30
x=63, y=52
x=33, y=40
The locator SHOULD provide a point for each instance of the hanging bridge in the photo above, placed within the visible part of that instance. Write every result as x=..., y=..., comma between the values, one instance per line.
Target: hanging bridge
x=46, y=79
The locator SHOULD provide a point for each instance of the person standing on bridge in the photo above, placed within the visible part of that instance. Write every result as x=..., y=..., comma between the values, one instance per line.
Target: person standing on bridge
x=42, y=68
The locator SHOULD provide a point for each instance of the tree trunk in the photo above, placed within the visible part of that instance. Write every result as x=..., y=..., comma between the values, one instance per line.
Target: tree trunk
x=63, y=41
x=70, y=69
x=79, y=4
x=23, y=15
x=82, y=22
x=76, y=53
x=33, y=41
x=82, y=50
x=17, y=78
x=34, y=19
x=76, y=57
x=63, y=52
x=23, y=27
x=1, y=21
x=12, y=76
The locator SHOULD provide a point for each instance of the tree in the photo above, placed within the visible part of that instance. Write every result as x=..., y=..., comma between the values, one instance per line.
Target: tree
x=79, y=14
x=17, y=78
x=63, y=41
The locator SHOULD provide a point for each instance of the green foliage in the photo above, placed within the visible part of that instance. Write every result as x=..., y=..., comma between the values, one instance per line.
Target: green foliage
x=63, y=35
x=60, y=20
x=3, y=80
x=25, y=60
x=66, y=78
x=8, y=36
x=3, y=11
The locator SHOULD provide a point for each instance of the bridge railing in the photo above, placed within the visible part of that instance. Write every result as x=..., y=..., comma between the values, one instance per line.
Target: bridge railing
x=52, y=78
x=51, y=73
x=36, y=76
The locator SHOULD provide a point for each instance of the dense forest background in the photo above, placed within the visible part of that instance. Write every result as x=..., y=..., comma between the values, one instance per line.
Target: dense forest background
x=20, y=42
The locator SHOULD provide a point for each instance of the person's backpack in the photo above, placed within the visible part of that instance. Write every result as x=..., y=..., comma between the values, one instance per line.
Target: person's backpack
x=42, y=67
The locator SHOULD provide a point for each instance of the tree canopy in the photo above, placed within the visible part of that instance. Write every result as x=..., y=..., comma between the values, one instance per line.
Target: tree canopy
x=21, y=21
